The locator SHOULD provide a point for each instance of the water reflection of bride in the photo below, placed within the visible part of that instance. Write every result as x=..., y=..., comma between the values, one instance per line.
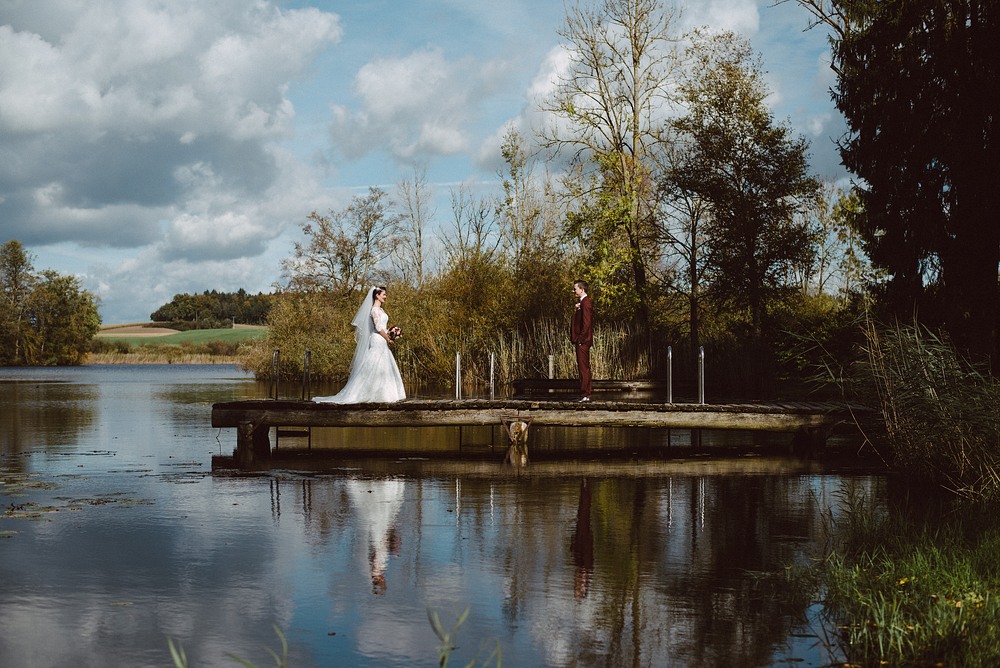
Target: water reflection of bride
x=377, y=503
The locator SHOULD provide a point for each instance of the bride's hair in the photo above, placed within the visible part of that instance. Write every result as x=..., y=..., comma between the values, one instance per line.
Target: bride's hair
x=377, y=291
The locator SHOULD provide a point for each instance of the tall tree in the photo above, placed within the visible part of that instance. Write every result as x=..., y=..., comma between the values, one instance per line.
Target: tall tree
x=752, y=172
x=918, y=82
x=837, y=265
x=46, y=318
x=346, y=250
x=684, y=216
x=17, y=280
x=415, y=198
x=612, y=97
x=527, y=221
x=64, y=319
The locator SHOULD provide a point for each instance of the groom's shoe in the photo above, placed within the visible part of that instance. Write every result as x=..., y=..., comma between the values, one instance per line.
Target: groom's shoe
x=583, y=399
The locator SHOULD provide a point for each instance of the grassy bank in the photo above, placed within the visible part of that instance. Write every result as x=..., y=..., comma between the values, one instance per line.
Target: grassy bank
x=136, y=344
x=916, y=583
x=915, y=588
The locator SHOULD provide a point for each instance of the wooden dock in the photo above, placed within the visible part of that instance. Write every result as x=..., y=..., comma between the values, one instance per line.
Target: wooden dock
x=253, y=419
x=541, y=386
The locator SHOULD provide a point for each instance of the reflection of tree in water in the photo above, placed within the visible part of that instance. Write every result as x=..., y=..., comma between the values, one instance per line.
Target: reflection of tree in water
x=645, y=571
x=377, y=504
x=47, y=414
x=753, y=529
x=686, y=570
x=698, y=576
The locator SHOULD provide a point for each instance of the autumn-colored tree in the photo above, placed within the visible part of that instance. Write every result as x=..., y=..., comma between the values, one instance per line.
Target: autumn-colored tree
x=612, y=99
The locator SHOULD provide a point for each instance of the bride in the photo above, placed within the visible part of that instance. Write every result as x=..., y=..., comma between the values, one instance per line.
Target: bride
x=374, y=374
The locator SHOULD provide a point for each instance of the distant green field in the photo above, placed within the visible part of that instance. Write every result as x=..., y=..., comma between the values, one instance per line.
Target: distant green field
x=192, y=337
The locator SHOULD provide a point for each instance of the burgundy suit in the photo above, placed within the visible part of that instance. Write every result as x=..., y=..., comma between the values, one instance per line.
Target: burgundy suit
x=582, y=336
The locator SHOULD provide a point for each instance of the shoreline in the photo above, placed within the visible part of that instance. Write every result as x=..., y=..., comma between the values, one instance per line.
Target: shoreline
x=157, y=358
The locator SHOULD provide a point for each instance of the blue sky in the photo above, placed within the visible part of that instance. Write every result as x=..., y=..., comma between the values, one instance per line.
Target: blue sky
x=155, y=147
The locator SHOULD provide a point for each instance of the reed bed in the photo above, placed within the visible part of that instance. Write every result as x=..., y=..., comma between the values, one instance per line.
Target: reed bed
x=140, y=356
x=617, y=353
x=916, y=583
x=940, y=413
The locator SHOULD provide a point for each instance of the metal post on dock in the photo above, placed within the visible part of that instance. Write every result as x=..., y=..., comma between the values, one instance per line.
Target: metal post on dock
x=492, y=395
x=701, y=374
x=552, y=370
x=670, y=375
x=458, y=375
x=272, y=392
x=307, y=376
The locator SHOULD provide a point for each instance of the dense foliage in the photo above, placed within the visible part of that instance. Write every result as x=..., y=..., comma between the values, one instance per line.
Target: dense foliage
x=212, y=309
x=918, y=82
x=45, y=318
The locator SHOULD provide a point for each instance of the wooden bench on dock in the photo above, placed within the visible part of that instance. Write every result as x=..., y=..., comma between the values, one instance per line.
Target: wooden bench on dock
x=253, y=419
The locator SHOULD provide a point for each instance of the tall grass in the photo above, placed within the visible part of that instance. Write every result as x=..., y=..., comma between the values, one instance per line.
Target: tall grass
x=917, y=584
x=940, y=414
x=618, y=352
x=121, y=352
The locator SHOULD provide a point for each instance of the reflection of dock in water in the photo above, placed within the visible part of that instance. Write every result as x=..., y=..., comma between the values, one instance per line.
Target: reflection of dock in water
x=811, y=422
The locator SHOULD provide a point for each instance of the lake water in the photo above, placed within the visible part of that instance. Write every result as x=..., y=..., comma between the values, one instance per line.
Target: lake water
x=118, y=536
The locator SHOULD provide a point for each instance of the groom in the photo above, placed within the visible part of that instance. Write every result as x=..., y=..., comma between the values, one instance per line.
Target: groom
x=582, y=335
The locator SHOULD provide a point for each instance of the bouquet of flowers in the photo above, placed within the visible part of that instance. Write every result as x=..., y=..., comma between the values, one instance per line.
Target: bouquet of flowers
x=395, y=333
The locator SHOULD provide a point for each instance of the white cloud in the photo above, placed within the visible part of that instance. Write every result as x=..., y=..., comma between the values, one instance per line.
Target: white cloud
x=533, y=118
x=154, y=126
x=739, y=16
x=415, y=106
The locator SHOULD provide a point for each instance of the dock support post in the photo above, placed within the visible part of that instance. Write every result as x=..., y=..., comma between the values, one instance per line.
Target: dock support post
x=458, y=375
x=275, y=379
x=252, y=445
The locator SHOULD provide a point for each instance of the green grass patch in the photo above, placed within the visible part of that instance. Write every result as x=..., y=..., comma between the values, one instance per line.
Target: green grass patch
x=198, y=346
x=904, y=591
x=194, y=337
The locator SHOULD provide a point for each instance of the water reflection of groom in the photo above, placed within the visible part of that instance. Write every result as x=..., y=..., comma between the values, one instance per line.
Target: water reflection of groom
x=583, y=544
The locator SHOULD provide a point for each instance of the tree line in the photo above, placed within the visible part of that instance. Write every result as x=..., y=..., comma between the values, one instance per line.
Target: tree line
x=45, y=318
x=213, y=309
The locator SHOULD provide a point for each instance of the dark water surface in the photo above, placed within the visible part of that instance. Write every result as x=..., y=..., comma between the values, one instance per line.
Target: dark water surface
x=117, y=535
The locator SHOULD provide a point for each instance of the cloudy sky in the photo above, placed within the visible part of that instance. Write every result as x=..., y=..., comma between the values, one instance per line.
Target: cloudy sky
x=155, y=147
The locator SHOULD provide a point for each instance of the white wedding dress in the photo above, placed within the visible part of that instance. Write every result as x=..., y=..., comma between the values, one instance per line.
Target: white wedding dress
x=374, y=373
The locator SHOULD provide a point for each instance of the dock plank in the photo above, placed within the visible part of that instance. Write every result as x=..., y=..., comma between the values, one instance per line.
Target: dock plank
x=414, y=413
